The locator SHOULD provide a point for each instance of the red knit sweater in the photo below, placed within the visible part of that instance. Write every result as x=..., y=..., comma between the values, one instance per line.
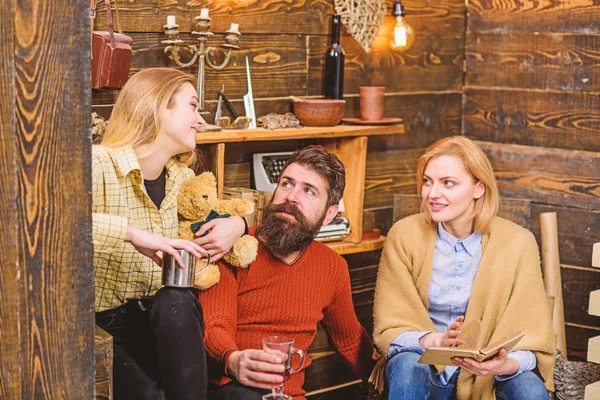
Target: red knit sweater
x=272, y=298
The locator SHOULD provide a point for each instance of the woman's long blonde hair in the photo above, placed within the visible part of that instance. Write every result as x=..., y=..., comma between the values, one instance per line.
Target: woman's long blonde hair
x=135, y=119
x=477, y=165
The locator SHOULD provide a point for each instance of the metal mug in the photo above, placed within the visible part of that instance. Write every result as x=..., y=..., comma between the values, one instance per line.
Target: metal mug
x=175, y=276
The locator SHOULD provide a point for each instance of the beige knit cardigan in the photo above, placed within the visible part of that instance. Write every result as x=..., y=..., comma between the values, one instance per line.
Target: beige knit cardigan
x=507, y=295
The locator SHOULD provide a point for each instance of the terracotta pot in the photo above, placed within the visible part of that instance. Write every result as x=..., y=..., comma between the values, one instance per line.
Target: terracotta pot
x=319, y=112
x=371, y=102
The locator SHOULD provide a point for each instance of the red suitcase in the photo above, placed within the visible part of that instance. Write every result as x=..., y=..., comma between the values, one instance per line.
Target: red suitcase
x=111, y=56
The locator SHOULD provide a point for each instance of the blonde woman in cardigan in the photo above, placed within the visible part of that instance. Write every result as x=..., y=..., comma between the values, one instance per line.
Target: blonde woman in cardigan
x=455, y=262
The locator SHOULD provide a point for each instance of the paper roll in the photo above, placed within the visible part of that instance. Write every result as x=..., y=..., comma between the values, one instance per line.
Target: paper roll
x=552, y=279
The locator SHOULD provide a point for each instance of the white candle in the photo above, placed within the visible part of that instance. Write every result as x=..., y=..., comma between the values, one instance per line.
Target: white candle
x=234, y=27
x=204, y=13
x=170, y=21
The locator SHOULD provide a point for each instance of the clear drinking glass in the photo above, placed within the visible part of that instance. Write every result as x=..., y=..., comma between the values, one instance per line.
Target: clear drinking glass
x=283, y=347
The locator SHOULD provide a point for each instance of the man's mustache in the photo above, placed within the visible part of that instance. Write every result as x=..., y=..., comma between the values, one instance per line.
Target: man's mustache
x=288, y=208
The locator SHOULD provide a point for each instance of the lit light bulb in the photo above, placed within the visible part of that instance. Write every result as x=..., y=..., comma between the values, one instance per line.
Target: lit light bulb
x=403, y=36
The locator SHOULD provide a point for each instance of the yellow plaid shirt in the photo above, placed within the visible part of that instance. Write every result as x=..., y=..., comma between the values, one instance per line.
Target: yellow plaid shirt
x=120, y=200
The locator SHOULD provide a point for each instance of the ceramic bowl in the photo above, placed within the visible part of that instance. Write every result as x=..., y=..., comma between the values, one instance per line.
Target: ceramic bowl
x=319, y=112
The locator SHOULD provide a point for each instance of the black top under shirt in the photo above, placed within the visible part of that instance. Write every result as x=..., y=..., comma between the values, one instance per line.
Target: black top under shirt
x=156, y=188
x=156, y=192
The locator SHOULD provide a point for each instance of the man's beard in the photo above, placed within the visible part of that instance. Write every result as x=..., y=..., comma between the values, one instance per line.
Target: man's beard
x=284, y=236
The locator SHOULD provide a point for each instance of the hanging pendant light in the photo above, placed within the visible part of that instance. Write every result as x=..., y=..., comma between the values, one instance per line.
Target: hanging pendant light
x=403, y=36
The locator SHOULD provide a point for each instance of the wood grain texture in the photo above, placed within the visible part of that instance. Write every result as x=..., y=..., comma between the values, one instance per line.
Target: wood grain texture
x=212, y=159
x=263, y=106
x=242, y=152
x=341, y=392
x=390, y=173
x=322, y=133
x=266, y=16
x=528, y=60
x=238, y=175
x=577, y=340
x=531, y=87
x=534, y=16
x=352, y=152
x=12, y=269
x=343, y=247
x=577, y=283
x=103, y=353
x=565, y=120
x=46, y=326
x=577, y=232
x=550, y=176
x=426, y=117
x=515, y=210
x=383, y=218
x=406, y=205
x=434, y=63
x=277, y=65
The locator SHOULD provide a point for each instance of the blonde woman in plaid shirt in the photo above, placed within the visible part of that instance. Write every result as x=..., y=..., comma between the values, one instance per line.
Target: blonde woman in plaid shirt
x=137, y=172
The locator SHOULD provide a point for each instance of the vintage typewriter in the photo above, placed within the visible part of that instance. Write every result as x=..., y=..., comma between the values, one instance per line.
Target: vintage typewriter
x=267, y=168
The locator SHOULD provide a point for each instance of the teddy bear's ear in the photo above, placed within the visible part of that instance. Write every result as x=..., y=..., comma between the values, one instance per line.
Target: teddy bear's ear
x=188, y=200
x=208, y=178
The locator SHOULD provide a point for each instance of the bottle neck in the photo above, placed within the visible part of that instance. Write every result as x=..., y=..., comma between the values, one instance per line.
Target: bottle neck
x=336, y=21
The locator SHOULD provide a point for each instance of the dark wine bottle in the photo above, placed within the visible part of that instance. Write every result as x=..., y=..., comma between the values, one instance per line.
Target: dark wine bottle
x=334, y=63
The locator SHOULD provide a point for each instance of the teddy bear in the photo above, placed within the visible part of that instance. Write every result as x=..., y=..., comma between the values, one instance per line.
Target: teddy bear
x=197, y=201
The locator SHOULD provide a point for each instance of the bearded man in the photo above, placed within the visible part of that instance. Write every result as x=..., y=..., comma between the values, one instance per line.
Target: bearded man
x=294, y=283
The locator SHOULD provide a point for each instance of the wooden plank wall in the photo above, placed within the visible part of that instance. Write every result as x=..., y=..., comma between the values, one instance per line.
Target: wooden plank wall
x=529, y=95
x=285, y=42
x=46, y=274
x=532, y=99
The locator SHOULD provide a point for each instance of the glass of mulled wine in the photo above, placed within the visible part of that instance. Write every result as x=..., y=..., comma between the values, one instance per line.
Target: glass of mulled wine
x=282, y=346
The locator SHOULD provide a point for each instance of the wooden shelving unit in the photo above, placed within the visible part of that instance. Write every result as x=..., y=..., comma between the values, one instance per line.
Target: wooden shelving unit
x=313, y=132
x=348, y=142
x=341, y=247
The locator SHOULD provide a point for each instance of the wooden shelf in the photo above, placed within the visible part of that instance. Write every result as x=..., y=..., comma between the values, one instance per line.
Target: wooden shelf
x=314, y=132
x=350, y=248
x=348, y=142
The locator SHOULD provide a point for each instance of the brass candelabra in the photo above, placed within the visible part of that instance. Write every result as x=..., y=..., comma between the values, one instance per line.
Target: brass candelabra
x=200, y=53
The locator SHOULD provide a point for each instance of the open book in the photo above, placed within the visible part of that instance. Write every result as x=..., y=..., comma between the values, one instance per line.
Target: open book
x=470, y=347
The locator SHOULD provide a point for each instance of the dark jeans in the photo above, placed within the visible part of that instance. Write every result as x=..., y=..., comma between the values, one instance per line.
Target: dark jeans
x=158, y=347
x=236, y=391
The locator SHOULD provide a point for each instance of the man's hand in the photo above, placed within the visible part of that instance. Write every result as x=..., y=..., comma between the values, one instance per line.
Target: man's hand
x=256, y=368
x=150, y=244
x=224, y=232
x=499, y=365
x=447, y=339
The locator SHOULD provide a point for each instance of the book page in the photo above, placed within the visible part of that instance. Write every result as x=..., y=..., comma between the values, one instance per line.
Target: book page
x=470, y=334
x=508, y=344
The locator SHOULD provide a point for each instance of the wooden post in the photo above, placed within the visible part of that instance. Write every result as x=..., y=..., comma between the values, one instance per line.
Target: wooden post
x=46, y=273
x=353, y=153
